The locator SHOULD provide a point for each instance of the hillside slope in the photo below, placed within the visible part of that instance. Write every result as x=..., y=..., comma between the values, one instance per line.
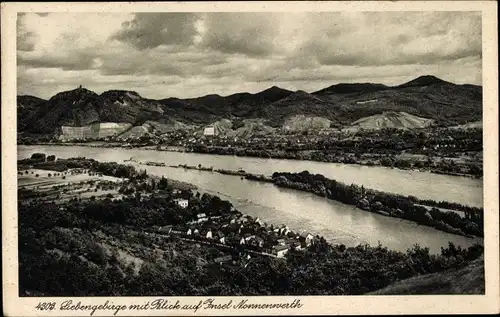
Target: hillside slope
x=426, y=96
x=467, y=280
x=81, y=107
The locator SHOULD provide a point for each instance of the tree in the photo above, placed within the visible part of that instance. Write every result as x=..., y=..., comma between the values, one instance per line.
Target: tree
x=163, y=184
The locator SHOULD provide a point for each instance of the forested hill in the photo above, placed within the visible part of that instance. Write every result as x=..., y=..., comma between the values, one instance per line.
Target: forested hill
x=466, y=280
x=343, y=104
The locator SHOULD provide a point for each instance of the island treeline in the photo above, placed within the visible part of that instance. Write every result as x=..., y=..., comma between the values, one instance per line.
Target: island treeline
x=387, y=203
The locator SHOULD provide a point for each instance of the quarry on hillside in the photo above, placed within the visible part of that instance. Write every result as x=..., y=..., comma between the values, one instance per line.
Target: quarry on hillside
x=252, y=127
x=301, y=123
x=93, y=131
x=390, y=119
x=248, y=128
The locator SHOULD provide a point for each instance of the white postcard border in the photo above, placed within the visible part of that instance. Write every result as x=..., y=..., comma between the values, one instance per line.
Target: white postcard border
x=317, y=305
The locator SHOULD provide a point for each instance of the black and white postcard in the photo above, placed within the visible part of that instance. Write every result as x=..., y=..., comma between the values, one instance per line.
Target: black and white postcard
x=259, y=158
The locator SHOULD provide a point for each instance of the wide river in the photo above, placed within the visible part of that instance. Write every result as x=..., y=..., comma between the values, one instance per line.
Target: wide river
x=337, y=222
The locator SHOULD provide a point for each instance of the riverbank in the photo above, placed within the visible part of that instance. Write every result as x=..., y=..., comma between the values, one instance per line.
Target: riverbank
x=387, y=204
x=436, y=165
x=124, y=247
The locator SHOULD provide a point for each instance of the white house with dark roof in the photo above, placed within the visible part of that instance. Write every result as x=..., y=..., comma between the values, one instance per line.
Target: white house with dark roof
x=183, y=203
x=280, y=250
x=307, y=238
x=202, y=217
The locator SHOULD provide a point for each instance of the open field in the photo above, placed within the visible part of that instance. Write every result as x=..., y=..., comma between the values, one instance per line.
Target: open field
x=66, y=185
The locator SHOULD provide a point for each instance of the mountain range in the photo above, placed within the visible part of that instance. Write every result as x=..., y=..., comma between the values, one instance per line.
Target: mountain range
x=426, y=96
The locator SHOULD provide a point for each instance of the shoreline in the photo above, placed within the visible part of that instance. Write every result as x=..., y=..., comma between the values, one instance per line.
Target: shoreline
x=167, y=149
x=365, y=206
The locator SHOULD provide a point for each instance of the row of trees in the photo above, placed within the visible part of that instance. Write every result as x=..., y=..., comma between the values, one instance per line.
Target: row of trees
x=386, y=203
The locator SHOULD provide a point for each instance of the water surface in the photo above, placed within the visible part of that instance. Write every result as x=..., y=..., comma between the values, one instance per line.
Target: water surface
x=337, y=222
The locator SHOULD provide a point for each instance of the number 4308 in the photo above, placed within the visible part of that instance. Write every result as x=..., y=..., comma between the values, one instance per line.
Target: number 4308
x=45, y=306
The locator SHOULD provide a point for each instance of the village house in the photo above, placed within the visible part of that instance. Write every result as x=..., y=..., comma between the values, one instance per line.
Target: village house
x=209, y=131
x=183, y=203
x=189, y=232
x=209, y=234
x=196, y=231
x=284, y=231
x=280, y=250
x=202, y=217
x=307, y=238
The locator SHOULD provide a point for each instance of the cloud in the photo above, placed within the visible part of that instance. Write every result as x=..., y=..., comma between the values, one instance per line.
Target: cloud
x=251, y=34
x=395, y=38
x=150, y=30
x=25, y=39
x=191, y=54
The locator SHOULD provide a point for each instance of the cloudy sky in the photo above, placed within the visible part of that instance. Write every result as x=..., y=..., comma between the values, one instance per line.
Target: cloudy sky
x=193, y=54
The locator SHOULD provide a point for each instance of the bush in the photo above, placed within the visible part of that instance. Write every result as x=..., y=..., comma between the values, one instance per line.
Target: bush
x=38, y=157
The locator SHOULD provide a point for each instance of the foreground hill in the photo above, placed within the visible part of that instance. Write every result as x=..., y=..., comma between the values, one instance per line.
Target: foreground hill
x=467, y=280
x=342, y=105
